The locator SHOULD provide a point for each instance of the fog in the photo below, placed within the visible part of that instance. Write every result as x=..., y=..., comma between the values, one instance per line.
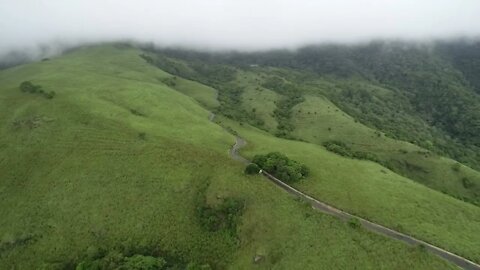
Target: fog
x=47, y=25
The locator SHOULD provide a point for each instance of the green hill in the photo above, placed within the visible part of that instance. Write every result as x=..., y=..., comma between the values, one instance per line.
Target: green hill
x=380, y=122
x=123, y=161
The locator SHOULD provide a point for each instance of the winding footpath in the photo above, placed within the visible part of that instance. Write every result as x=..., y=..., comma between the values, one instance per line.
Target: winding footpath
x=374, y=227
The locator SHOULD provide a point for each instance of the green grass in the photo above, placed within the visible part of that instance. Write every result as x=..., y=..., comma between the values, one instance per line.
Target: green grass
x=317, y=120
x=205, y=95
x=261, y=101
x=82, y=171
x=371, y=191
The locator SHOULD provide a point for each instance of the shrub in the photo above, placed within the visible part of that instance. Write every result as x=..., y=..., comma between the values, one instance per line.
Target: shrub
x=117, y=260
x=456, y=167
x=48, y=95
x=252, y=168
x=195, y=266
x=140, y=262
x=467, y=183
x=29, y=87
x=342, y=149
x=421, y=247
x=147, y=58
x=365, y=156
x=142, y=136
x=338, y=147
x=170, y=81
x=354, y=222
x=221, y=217
x=135, y=112
x=281, y=166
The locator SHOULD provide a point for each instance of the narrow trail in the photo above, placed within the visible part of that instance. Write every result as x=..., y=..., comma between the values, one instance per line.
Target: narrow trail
x=371, y=226
x=239, y=143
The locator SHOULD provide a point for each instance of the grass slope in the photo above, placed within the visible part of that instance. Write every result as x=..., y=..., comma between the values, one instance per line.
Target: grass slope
x=259, y=100
x=376, y=193
x=317, y=120
x=116, y=161
x=400, y=89
x=205, y=95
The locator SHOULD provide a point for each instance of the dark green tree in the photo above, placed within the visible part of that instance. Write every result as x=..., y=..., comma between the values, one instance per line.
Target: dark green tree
x=252, y=168
x=281, y=166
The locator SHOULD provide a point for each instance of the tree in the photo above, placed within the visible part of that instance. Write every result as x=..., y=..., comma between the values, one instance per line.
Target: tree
x=252, y=168
x=28, y=87
x=49, y=95
x=281, y=166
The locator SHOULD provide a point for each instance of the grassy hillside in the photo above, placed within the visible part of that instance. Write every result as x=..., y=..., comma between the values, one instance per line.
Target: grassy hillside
x=362, y=187
x=119, y=163
x=376, y=193
x=375, y=120
x=319, y=121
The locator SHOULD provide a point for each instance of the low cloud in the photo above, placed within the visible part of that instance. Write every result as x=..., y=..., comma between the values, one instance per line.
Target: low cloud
x=231, y=24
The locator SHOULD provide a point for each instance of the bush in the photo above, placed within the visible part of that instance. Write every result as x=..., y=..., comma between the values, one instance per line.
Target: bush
x=195, y=266
x=281, y=166
x=221, y=217
x=140, y=262
x=252, y=168
x=136, y=112
x=456, y=167
x=338, y=147
x=147, y=58
x=48, y=95
x=467, y=183
x=170, y=81
x=365, y=156
x=117, y=260
x=29, y=87
x=342, y=149
x=354, y=223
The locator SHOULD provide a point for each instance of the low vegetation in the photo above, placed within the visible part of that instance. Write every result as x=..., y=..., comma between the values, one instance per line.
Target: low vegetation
x=28, y=87
x=223, y=216
x=283, y=111
x=354, y=223
x=343, y=149
x=118, y=261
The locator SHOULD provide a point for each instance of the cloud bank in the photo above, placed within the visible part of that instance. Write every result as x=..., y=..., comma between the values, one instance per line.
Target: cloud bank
x=232, y=24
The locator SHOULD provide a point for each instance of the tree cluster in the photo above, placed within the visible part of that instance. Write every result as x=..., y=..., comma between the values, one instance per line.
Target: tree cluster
x=343, y=149
x=281, y=167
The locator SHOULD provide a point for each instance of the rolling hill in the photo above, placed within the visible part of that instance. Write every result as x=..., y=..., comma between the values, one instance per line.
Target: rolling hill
x=122, y=165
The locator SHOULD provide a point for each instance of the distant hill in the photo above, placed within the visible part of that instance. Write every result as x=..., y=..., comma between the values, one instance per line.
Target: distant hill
x=434, y=101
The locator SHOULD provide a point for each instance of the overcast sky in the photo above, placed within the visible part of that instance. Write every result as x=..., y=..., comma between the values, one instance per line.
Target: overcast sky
x=228, y=24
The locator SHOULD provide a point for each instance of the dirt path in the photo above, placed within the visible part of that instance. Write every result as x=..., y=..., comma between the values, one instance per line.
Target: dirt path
x=239, y=143
x=325, y=208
